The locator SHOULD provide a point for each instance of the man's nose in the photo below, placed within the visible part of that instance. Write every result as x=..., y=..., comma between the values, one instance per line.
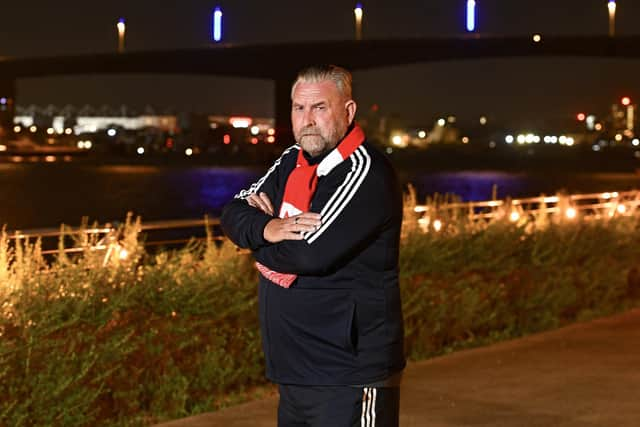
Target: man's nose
x=308, y=119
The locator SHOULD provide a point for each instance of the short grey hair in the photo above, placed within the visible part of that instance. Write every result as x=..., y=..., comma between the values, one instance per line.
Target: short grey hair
x=319, y=73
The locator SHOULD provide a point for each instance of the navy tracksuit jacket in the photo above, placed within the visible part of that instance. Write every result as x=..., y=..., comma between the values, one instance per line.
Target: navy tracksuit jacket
x=340, y=323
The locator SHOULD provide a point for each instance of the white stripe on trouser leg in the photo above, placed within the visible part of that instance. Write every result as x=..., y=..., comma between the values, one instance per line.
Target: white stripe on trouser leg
x=373, y=407
x=368, y=407
x=365, y=404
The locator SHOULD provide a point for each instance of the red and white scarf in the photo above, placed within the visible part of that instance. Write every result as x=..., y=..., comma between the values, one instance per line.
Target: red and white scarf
x=301, y=185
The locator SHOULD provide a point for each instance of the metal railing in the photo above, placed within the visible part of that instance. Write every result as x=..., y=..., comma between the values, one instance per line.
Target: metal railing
x=106, y=235
x=586, y=206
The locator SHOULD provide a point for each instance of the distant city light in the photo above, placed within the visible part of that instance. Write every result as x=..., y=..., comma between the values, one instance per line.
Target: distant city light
x=3, y=101
x=465, y=139
x=483, y=120
x=591, y=121
x=240, y=122
x=226, y=139
x=621, y=209
x=140, y=150
x=217, y=24
x=514, y=216
x=255, y=130
x=618, y=137
x=17, y=129
x=625, y=101
x=50, y=131
x=68, y=131
x=111, y=132
x=254, y=140
x=635, y=142
x=571, y=213
x=437, y=225
x=271, y=139
x=451, y=119
x=422, y=134
x=397, y=140
x=537, y=38
x=441, y=122
x=33, y=129
x=581, y=117
x=492, y=144
x=188, y=151
x=595, y=147
x=271, y=131
x=3, y=148
x=521, y=139
x=471, y=15
x=598, y=126
x=509, y=139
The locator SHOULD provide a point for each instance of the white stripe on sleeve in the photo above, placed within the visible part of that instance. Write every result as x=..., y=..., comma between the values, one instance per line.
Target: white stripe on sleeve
x=256, y=185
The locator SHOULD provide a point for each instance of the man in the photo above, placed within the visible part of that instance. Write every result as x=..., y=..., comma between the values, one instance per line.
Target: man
x=324, y=227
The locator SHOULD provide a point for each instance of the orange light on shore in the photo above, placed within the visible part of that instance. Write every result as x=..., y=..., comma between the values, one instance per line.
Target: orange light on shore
x=625, y=101
x=581, y=117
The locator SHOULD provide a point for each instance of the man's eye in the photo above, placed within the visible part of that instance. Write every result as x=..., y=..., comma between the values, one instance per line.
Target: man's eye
x=320, y=107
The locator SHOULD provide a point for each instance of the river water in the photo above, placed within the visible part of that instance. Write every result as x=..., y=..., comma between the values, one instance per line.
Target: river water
x=46, y=195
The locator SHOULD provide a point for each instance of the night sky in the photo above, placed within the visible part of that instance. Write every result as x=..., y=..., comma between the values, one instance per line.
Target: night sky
x=519, y=91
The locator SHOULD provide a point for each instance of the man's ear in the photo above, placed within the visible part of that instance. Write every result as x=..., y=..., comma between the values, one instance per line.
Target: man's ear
x=351, y=108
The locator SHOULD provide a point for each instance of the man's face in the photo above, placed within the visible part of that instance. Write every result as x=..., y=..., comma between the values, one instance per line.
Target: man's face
x=320, y=116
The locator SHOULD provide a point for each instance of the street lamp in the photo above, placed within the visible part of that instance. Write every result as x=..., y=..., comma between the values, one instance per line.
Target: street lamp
x=121, y=30
x=471, y=16
x=217, y=24
x=612, y=17
x=358, y=14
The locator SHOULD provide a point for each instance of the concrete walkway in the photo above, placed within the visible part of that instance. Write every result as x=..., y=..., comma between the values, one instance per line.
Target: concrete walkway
x=584, y=375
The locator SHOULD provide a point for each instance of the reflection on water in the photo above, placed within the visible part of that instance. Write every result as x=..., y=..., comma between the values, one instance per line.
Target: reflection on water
x=45, y=195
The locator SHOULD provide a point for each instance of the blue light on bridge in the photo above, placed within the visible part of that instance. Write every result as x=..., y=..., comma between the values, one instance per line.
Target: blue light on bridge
x=217, y=24
x=471, y=15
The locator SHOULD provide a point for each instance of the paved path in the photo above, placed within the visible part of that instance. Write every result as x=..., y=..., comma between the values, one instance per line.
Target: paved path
x=584, y=375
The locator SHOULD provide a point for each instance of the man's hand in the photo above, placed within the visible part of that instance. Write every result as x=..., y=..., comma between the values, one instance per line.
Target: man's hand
x=261, y=201
x=279, y=229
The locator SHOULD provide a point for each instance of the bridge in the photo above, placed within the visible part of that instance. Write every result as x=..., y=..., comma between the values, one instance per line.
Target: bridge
x=280, y=62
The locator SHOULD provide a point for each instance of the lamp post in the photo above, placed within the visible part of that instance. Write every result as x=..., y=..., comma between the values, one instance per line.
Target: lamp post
x=612, y=17
x=358, y=15
x=217, y=25
x=121, y=31
x=471, y=15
